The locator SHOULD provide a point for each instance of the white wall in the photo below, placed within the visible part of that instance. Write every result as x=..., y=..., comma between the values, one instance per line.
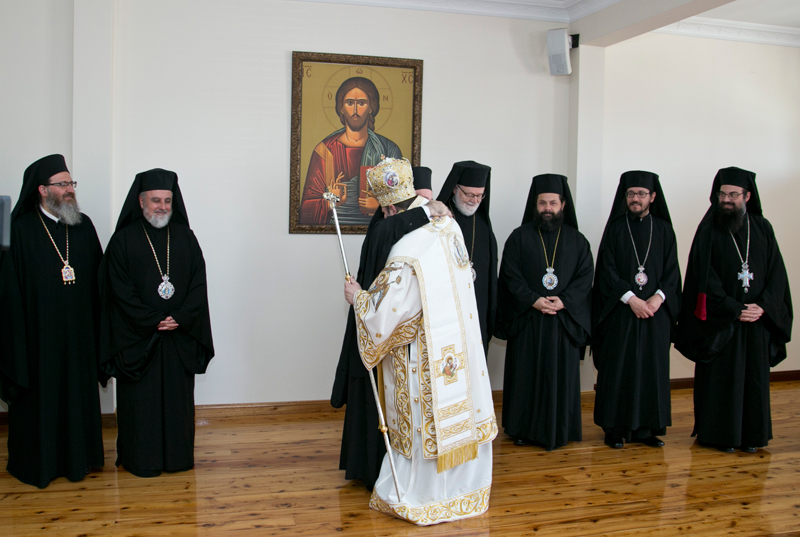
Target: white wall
x=35, y=85
x=204, y=88
x=685, y=107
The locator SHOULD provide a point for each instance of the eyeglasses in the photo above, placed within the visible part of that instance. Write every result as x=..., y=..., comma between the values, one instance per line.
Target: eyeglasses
x=640, y=195
x=471, y=196
x=64, y=184
x=733, y=195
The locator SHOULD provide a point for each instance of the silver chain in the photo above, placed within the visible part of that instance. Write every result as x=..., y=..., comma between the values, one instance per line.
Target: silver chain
x=634, y=242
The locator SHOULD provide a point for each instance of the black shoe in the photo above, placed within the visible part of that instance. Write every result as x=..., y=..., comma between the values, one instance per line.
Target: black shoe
x=520, y=442
x=614, y=443
x=748, y=449
x=724, y=449
x=653, y=441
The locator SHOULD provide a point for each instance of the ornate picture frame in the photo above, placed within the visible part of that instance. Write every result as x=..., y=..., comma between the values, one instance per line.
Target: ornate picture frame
x=379, y=113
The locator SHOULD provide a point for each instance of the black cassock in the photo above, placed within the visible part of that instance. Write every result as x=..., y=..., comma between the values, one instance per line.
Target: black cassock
x=632, y=355
x=49, y=363
x=362, y=443
x=541, y=385
x=155, y=369
x=732, y=358
x=484, y=260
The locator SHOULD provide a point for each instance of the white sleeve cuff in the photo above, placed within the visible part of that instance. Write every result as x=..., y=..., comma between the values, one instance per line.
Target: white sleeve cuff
x=427, y=211
x=662, y=295
x=627, y=296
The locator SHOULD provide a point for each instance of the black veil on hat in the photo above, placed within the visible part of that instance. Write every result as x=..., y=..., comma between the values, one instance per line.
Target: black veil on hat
x=470, y=174
x=737, y=177
x=155, y=179
x=640, y=179
x=37, y=174
x=422, y=177
x=550, y=183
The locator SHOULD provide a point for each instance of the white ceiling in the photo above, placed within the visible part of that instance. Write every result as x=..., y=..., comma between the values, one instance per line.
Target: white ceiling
x=784, y=13
x=774, y=22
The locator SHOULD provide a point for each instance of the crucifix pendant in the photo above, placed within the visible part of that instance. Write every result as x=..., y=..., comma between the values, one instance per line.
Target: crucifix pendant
x=745, y=275
x=67, y=274
x=640, y=278
x=474, y=274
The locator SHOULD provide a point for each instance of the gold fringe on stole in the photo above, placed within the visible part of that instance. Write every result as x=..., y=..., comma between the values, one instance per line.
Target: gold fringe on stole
x=453, y=458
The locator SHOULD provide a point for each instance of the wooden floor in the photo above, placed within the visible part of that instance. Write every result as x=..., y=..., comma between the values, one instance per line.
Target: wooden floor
x=279, y=476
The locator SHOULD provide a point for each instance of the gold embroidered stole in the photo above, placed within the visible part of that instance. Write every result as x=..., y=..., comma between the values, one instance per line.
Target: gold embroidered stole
x=435, y=253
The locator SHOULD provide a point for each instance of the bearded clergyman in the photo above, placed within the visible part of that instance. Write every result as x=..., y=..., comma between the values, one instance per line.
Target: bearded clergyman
x=636, y=300
x=156, y=332
x=48, y=331
x=544, y=307
x=736, y=316
x=418, y=323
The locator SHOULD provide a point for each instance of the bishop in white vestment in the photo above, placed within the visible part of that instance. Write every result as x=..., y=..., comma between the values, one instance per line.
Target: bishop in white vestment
x=419, y=322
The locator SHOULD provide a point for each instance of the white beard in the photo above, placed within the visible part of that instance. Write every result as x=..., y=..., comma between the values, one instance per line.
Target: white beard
x=159, y=220
x=463, y=208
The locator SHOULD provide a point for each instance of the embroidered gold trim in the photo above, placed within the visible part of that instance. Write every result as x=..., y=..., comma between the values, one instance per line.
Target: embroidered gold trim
x=372, y=354
x=382, y=283
x=453, y=410
x=402, y=438
x=430, y=446
x=487, y=430
x=464, y=506
x=455, y=429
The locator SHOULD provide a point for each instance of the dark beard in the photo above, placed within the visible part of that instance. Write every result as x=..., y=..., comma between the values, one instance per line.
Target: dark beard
x=729, y=219
x=549, y=225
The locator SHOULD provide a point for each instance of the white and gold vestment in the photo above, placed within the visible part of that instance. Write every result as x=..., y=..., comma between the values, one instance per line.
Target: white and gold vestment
x=419, y=321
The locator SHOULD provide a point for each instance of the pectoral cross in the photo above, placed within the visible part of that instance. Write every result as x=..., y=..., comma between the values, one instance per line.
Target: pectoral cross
x=745, y=275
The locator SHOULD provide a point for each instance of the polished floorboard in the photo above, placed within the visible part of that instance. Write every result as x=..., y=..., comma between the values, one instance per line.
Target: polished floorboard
x=278, y=475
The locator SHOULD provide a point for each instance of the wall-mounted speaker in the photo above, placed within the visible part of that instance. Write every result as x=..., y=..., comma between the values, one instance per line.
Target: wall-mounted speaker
x=558, y=45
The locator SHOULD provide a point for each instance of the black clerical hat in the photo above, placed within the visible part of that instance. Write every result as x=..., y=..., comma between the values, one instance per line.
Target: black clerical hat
x=155, y=179
x=741, y=178
x=37, y=174
x=640, y=179
x=422, y=177
x=470, y=174
x=550, y=183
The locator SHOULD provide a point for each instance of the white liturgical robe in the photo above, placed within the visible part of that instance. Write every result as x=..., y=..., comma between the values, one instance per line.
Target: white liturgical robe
x=419, y=321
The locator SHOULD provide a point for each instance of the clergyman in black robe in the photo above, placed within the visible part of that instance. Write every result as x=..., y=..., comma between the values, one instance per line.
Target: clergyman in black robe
x=156, y=331
x=544, y=311
x=362, y=443
x=466, y=191
x=736, y=316
x=49, y=323
x=635, y=305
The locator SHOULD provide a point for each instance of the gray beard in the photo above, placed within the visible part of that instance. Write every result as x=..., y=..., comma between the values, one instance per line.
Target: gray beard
x=465, y=209
x=67, y=211
x=158, y=221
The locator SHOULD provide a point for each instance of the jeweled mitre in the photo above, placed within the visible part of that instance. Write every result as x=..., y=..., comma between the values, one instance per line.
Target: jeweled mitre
x=392, y=181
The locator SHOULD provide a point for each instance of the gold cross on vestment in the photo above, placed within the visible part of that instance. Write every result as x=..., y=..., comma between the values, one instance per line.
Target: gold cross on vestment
x=449, y=365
